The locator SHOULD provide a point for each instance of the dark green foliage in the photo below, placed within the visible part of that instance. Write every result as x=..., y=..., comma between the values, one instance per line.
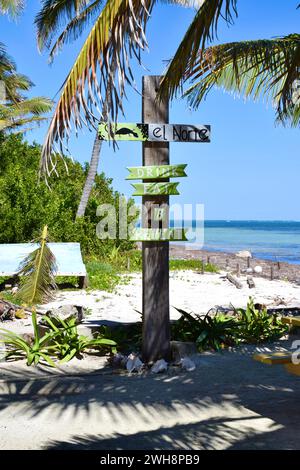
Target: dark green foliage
x=26, y=205
x=215, y=331
x=34, y=351
x=128, y=338
x=196, y=264
x=67, y=343
x=257, y=325
x=208, y=331
x=62, y=341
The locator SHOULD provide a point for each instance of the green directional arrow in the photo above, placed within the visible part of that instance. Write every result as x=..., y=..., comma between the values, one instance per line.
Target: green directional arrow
x=158, y=234
x=155, y=189
x=156, y=172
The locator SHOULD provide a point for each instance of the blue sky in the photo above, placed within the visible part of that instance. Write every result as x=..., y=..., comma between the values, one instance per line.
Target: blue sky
x=249, y=171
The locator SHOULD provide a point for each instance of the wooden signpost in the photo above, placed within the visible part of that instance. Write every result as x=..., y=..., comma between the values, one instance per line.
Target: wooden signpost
x=155, y=132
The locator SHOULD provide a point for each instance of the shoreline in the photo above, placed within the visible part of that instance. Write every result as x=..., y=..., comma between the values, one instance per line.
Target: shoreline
x=230, y=261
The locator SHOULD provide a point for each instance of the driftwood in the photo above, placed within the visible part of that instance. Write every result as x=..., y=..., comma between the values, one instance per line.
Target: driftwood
x=234, y=281
x=250, y=282
x=8, y=310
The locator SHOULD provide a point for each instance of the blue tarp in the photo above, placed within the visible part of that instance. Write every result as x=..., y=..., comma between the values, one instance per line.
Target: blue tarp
x=68, y=258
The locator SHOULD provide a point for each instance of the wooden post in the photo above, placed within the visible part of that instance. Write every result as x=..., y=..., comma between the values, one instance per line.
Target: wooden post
x=238, y=270
x=156, y=304
x=202, y=266
x=272, y=273
x=278, y=264
x=248, y=262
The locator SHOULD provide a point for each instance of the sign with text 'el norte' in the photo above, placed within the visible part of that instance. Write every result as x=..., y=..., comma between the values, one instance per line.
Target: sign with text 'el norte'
x=155, y=132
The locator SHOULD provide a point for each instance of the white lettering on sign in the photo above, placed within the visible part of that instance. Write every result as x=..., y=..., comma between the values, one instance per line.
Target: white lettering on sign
x=178, y=133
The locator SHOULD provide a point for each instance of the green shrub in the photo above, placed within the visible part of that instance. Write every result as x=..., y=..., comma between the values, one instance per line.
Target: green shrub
x=208, y=331
x=257, y=325
x=195, y=264
x=62, y=342
x=34, y=351
x=26, y=205
x=215, y=331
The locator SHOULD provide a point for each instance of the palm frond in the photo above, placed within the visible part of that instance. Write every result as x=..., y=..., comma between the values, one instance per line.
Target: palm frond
x=117, y=35
x=259, y=68
x=202, y=29
x=54, y=14
x=11, y=7
x=16, y=115
x=39, y=269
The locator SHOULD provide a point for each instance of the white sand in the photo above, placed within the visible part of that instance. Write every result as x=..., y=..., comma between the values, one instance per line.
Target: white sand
x=188, y=290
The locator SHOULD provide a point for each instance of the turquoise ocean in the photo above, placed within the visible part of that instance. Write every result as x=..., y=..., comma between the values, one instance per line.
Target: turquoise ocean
x=271, y=240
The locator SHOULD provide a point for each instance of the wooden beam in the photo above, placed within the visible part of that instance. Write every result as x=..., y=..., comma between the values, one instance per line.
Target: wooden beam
x=156, y=304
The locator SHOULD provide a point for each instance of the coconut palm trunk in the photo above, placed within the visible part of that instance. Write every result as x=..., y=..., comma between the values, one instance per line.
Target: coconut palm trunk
x=90, y=179
x=89, y=182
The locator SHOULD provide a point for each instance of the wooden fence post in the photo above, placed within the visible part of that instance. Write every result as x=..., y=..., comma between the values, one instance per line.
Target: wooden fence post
x=156, y=304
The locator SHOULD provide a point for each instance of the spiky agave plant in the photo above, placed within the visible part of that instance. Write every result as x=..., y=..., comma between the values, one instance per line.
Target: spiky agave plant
x=39, y=269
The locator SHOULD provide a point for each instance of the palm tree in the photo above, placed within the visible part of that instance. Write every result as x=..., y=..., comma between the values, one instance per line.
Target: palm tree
x=77, y=15
x=118, y=33
x=269, y=68
x=16, y=111
x=12, y=7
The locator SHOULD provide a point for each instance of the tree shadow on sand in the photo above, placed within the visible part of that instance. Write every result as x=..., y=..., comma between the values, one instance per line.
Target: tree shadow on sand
x=229, y=401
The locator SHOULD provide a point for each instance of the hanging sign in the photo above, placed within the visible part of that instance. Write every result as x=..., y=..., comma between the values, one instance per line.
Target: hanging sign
x=156, y=172
x=157, y=234
x=155, y=132
x=155, y=189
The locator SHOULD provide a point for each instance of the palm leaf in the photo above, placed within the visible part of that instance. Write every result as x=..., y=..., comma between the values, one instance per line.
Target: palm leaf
x=12, y=7
x=38, y=269
x=77, y=15
x=202, y=29
x=265, y=68
x=18, y=115
x=117, y=35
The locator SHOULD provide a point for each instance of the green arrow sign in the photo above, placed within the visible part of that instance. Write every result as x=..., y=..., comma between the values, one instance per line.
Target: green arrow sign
x=155, y=189
x=156, y=172
x=157, y=234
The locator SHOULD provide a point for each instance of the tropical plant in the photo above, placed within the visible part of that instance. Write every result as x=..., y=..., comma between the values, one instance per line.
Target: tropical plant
x=61, y=341
x=102, y=67
x=21, y=194
x=67, y=343
x=38, y=269
x=34, y=350
x=18, y=113
x=268, y=68
x=210, y=331
x=217, y=330
x=118, y=33
x=256, y=325
x=11, y=7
